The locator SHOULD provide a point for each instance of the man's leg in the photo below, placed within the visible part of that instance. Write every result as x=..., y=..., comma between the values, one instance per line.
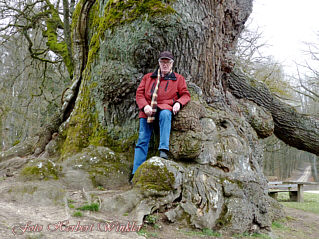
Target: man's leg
x=141, y=148
x=165, y=119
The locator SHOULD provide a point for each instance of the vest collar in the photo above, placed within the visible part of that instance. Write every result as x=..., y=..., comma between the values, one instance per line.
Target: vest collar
x=170, y=76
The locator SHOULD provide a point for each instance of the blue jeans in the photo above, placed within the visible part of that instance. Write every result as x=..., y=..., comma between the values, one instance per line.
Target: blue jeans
x=145, y=133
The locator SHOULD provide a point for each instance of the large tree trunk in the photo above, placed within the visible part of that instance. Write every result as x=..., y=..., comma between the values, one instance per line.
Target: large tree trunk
x=215, y=178
x=201, y=35
x=313, y=163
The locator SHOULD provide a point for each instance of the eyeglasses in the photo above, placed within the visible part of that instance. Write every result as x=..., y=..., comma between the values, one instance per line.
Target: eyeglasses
x=165, y=62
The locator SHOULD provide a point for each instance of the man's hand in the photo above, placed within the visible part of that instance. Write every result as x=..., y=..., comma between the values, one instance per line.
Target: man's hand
x=176, y=108
x=148, y=110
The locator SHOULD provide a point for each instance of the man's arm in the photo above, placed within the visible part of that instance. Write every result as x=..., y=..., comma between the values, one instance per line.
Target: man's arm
x=184, y=94
x=140, y=95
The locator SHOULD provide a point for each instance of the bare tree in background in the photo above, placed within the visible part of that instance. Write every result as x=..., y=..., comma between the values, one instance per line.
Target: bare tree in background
x=280, y=159
x=30, y=90
x=307, y=89
x=50, y=19
x=36, y=65
x=250, y=59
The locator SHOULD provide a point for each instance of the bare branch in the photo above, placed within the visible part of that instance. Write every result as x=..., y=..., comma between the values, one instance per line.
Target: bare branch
x=305, y=94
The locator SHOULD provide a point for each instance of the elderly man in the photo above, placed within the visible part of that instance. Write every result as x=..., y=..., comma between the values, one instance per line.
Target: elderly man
x=159, y=94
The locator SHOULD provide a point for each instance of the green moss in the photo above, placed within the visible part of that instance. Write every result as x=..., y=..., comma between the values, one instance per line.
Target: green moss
x=81, y=124
x=190, y=147
x=76, y=15
x=16, y=142
x=85, y=129
x=194, y=96
x=119, y=12
x=46, y=171
x=101, y=138
x=104, y=166
x=154, y=177
x=94, y=19
x=122, y=12
x=104, y=170
x=185, y=217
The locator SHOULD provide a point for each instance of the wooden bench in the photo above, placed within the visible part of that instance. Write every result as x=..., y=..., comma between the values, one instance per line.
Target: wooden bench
x=295, y=189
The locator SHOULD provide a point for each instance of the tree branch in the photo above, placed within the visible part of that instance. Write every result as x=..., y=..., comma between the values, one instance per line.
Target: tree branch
x=295, y=129
x=305, y=94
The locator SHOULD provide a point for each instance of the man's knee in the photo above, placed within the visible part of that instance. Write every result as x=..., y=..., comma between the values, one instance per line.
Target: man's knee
x=143, y=138
x=165, y=114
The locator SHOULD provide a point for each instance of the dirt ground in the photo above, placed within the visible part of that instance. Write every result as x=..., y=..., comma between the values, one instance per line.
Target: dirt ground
x=299, y=225
x=42, y=221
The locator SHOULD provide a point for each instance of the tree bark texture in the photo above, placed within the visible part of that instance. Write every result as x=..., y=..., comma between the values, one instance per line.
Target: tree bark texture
x=297, y=130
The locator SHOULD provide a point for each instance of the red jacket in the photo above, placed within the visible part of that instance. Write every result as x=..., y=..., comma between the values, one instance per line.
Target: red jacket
x=172, y=89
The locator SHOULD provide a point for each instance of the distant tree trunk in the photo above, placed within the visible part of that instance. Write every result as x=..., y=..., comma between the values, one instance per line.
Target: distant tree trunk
x=313, y=163
x=72, y=5
x=67, y=28
x=273, y=164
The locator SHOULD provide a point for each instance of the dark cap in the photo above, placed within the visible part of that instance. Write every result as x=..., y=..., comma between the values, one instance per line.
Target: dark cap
x=167, y=55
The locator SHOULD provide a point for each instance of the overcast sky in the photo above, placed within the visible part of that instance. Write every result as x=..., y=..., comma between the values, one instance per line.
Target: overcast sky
x=286, y=25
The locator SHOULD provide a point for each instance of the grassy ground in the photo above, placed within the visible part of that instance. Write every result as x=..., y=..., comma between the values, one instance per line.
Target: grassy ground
x=302, y=220
x=310, y=204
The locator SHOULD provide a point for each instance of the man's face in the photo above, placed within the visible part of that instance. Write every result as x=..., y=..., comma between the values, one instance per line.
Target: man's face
x=165, y=65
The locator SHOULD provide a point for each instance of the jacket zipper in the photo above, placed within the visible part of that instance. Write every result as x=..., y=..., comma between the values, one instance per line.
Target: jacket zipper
x=166, y=86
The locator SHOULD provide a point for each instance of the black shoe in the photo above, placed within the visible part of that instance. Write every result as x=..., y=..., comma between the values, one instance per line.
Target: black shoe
x=163, y=154
x=130, y=180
